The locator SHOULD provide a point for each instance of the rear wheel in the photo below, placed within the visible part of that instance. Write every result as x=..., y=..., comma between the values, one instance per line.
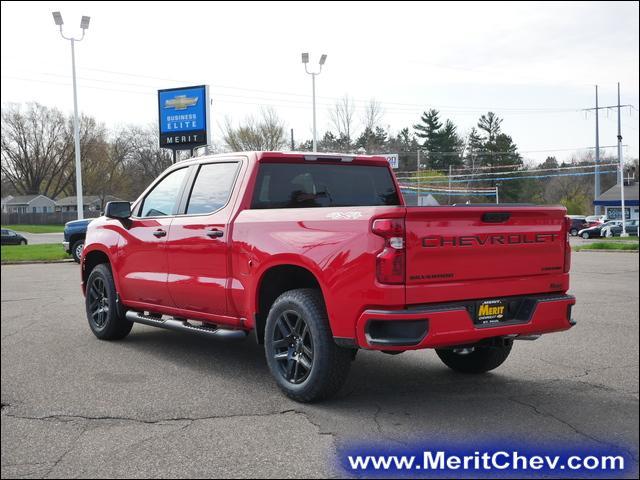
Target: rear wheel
x=106, y=317
x=76, y=250
x=475, y=359
x=301, y=353
x=585, y=235
x=574, y=232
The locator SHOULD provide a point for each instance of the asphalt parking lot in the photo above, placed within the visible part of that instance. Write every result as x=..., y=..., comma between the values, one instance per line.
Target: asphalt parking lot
x=40, y=238
x=165, y=404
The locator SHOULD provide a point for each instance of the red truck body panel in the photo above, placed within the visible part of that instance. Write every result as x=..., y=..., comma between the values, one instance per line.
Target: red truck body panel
x=452, y=254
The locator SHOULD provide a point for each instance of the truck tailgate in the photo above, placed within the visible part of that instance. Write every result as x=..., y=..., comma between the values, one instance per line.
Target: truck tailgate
x=463, y=250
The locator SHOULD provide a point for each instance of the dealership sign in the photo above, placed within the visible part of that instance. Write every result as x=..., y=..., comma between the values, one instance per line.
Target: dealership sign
x=392, y=158
x=184, y=117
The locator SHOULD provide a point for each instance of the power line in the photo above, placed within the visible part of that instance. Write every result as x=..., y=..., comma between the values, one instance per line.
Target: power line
x=400, y=106
x=521, y=178
x=514, y=171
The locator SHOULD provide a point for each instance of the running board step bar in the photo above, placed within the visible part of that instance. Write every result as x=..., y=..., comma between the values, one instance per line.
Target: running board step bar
x=183, y=325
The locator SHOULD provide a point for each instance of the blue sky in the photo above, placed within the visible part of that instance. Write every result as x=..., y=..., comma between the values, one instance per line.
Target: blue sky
x=534, y=64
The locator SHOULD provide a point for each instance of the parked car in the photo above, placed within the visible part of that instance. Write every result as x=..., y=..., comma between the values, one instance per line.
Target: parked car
x=318, y=255
x=594, y=220
x=74, y=235
x=631, y=226
x=594, y=232
x=9, y=237
x=578, y=222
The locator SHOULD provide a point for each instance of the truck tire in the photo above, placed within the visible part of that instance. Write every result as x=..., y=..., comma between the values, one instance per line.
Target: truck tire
x=76, y=250
x=479, y=360
x=104, y=313
x=301, y=353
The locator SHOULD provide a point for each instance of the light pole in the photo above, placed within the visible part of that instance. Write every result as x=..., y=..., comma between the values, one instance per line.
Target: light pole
x=84, y=24
x=623, y=217
x=305, y=60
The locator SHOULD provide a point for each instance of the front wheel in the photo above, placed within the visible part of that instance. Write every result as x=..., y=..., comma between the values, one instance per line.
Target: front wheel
x=574, y=232
x=23, y=242
x=585, y=235
x=475, y=359
x=76, y=250
x=301, y=353
x=106, y=318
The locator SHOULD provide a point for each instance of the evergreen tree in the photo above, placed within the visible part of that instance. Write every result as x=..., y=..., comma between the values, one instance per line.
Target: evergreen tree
x=449, y=146
x=474, y=150
x=429, y=132
x=373, y=141
x=490, y=125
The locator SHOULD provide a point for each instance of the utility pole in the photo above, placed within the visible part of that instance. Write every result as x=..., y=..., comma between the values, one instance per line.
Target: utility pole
x=293, y=145
x=418, y=176
x=622, y=211
x=449, y=184
x=596, y=186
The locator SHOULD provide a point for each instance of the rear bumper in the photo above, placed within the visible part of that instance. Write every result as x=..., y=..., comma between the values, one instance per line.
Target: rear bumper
x=451, y=324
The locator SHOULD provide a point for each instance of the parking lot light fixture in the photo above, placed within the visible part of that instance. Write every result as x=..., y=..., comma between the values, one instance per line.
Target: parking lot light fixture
x=84, y=25
x=305, y=60
x=57, y=18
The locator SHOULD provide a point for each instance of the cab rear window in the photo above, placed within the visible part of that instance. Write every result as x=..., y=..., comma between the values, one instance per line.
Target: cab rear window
x=305, y=185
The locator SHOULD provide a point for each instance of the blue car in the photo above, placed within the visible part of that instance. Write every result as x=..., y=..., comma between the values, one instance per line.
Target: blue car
x=74, y=234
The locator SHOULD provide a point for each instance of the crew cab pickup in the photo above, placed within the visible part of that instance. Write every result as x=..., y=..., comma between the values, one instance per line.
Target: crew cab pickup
x=319, y=256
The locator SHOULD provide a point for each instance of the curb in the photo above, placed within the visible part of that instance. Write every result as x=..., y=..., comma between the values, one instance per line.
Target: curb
x=605, y=251
x=37, y=262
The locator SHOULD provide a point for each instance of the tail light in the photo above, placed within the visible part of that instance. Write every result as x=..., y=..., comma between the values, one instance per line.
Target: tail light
x=390, y=263
x=567, y=247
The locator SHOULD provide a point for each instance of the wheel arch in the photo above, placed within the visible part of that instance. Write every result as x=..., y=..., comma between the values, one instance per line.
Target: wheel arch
x=92, y=257
x=273, y=282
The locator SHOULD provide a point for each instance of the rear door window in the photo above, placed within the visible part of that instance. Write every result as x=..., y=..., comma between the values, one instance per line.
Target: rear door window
x=212, y=188
x=304, y=185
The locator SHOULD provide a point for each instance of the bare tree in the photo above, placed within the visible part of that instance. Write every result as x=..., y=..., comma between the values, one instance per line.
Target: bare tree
x=265, y=133
x=373, y=113
x=36, y=153
x=146, y=159
x=343, y=119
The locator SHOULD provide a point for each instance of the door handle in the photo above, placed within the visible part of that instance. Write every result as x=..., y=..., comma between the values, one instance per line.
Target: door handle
x=159, y=233
x=214, y=233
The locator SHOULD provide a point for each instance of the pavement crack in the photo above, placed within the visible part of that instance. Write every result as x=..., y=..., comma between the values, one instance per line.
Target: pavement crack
x=575, y=429
x=69, y=449
x=63, y=417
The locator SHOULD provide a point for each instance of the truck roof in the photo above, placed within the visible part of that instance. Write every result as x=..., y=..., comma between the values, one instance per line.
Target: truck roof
x=259, y=156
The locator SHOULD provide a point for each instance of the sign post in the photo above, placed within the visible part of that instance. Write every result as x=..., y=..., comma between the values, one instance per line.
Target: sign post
x=184, y=118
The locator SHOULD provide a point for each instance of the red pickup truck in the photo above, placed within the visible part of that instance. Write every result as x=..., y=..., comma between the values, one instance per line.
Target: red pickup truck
x=319, y=256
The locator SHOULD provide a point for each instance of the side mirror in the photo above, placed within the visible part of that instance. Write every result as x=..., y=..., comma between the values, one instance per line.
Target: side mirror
x=118, y=210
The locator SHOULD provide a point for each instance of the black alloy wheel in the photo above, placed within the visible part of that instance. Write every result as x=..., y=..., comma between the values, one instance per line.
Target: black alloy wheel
x=293, y=346
x=98, y=303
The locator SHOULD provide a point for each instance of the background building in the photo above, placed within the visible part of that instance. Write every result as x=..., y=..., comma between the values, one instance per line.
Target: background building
x=612, y=204
x=28, y=204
